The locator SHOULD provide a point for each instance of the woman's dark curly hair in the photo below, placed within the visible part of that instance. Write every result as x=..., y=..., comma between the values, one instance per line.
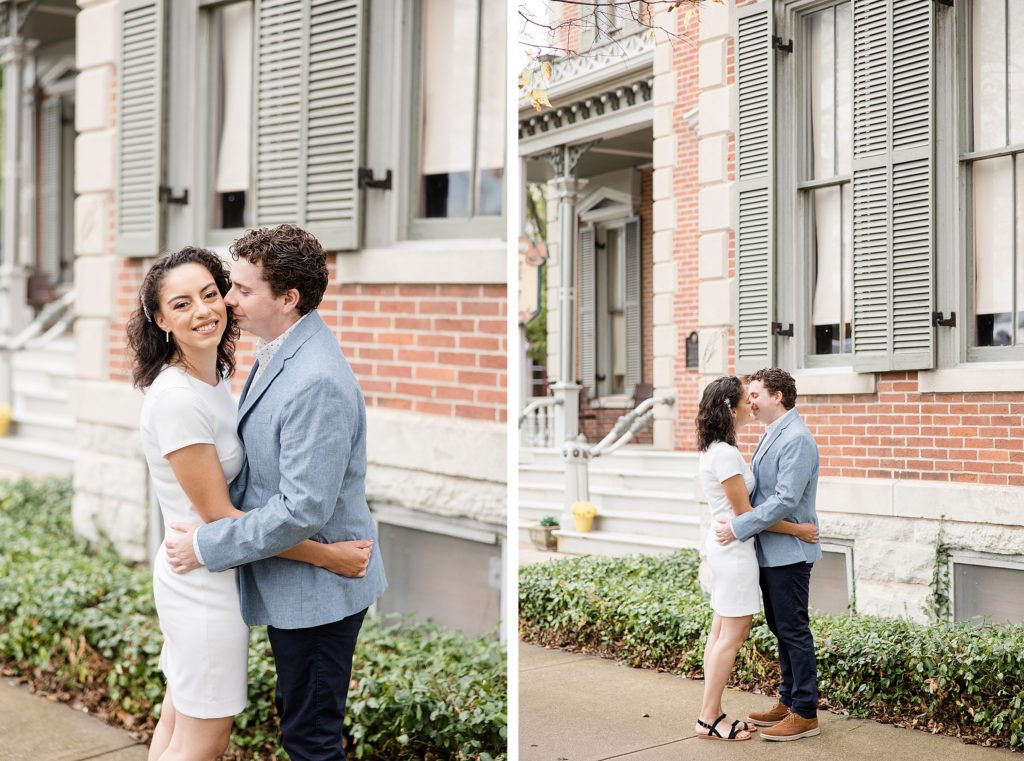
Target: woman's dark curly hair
x=149, y=346
x=291, y=258
x=714, y=416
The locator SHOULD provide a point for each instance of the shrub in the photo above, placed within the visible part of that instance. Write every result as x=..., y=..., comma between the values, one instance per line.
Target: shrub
x=649, y=612
x=80, y=623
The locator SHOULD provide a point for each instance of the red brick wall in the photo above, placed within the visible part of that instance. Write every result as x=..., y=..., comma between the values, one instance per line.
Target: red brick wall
x=686, y=237
x=900, y=432
x=434, y=349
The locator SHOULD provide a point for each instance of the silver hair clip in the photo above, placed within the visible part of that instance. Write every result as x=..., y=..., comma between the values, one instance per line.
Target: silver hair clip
x=144, y=310
x=727, y=403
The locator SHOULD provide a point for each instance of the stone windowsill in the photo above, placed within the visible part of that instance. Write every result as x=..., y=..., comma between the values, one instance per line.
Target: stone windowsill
x=833, y=381
x=977, y=376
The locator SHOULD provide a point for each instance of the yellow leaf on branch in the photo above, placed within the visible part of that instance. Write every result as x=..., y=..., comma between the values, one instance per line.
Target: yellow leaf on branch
x=547, y=70
x=539, y=99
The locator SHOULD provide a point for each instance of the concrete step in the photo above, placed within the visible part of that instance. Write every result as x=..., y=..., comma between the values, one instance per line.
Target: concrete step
x=534, y=511
x=57, y=361
x=608, y=543
x=44, y=400
x=540, y=492
x=59, y=429
x=629, y=458
x=667, y=526
x=647, y=480
x=35, y=457
x=633, y=500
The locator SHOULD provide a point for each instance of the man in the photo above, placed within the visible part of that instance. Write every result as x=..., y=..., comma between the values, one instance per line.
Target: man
x=785, y=466
x=303, y=423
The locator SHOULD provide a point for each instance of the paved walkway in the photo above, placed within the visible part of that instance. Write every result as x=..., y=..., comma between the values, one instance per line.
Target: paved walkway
x=33, y=728
x=580, y=708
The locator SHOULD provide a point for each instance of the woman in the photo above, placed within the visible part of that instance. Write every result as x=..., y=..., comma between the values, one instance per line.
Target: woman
x=182, y=340
x=727, y=483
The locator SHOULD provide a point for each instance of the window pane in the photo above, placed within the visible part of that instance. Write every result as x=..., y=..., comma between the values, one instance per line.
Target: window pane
x=988, y=64
x=821, y=31
x=456, y=593
x=616, y=302
x=829, y=593
x=1016, y=73
x=490, y=158
x=993, y=250
x=231, y=28
x=984, y=592
x=831, y=308
x=448, y=96
x=844, y=88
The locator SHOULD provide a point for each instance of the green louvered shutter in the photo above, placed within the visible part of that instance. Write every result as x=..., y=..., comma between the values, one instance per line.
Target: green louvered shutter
x=632, y=308
x=893, y=128
x=588, y=310
x=754, y=177
x=140, y=128
x=308, y=116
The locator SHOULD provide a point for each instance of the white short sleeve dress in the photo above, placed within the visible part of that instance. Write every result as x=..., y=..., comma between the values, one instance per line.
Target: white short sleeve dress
x=206, y=642
x=734, y=573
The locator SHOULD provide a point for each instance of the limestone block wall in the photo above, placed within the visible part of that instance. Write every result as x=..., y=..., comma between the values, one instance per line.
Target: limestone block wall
x=111, y=499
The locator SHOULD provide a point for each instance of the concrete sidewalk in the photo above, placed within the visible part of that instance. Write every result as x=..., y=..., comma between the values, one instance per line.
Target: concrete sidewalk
x=33, y=728
x=580, y=708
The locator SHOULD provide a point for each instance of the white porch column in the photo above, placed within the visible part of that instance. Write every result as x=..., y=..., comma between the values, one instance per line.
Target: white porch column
x=15, y=313
x=566, y=189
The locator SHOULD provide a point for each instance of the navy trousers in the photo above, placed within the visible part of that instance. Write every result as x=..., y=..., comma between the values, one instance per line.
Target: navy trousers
x=314, y=667
x=785, y=591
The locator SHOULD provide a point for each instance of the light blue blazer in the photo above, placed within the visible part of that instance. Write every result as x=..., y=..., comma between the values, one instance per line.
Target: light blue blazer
x=303, y=425
x=786, y=486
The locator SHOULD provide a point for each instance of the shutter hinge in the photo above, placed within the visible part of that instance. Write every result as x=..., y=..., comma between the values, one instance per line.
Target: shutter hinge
x=778, y=330
x=938, y=321
x=947, y=3
x=786, y=46
x=366, y=180
x=166, y=195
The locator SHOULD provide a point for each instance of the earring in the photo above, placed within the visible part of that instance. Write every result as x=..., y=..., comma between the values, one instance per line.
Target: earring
x=167, y=336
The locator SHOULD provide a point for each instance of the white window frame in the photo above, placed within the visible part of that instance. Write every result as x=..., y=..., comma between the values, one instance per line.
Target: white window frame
x=976, y=558
x=457, y=528
x=843, y=547
x=793, y=221
x=625, y=23
x=606, y=209
x=423, y=228
x=206, y=137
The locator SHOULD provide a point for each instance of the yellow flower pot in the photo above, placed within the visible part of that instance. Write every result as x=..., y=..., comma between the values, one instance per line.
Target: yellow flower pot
x=583, y=523
x=5, y=419
x=583, y=516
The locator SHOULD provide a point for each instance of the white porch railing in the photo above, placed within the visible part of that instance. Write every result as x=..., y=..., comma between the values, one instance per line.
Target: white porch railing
x=537, y=422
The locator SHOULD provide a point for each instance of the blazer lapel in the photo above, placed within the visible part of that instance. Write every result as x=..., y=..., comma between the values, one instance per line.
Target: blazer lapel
x=253, y=391
x=766, y=443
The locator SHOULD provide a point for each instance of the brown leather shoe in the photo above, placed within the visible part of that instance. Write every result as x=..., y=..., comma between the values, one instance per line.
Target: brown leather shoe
x=793, y=727
x=769, y=718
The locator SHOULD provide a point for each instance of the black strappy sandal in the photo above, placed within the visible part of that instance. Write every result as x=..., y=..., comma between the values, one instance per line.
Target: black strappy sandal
x=714, y=734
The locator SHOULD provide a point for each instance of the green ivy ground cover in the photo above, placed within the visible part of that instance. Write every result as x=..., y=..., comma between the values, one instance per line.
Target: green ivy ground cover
x=649, y=612
x=80, y=624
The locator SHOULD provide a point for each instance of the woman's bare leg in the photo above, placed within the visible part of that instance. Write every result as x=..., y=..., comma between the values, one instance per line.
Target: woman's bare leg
x=719, y=659
x=164, y=728
x=198, y=739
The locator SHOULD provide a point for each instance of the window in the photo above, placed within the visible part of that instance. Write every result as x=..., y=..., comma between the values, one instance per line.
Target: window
x=826, y=180
x=611, y=305
x=611, y=329
x=462, y=592
x=986, y=588
x=230, y=110
x=460, y=157
x=832, y=579
x=607, y=21
x=994, y=171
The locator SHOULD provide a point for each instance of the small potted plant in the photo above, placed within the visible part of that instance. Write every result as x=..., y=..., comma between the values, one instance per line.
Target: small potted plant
x=583, y=515
x=543, y=536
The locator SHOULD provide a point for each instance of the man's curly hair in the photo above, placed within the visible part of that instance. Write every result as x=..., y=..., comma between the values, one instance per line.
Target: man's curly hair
x=776, y=379
x=291, y=258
